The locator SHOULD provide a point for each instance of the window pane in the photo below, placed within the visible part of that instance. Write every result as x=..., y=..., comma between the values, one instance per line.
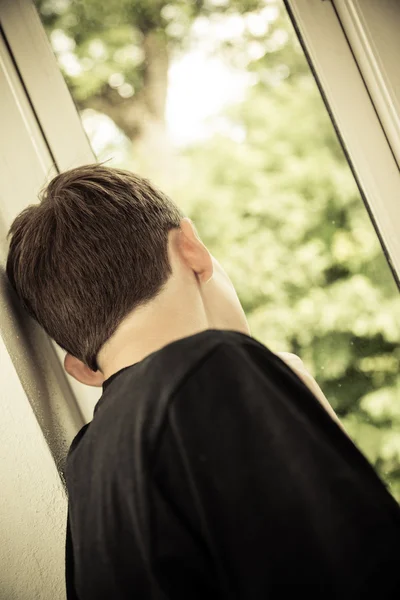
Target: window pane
x=216, y=103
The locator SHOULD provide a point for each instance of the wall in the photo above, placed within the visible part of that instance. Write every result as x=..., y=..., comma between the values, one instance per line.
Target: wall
x=32, y=499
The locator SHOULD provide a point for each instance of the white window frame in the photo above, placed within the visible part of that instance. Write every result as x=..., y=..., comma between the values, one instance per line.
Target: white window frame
x=354, y=116
x=59, y=129
x=44, y=84
x=362, y=22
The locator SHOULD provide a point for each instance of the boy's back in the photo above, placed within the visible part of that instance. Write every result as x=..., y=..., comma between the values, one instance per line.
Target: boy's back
x=211, y=471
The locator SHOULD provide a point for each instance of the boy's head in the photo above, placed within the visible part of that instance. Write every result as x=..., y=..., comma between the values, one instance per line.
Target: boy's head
x=102, y=243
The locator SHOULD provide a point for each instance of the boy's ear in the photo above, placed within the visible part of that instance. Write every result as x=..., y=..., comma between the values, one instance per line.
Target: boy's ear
x=194, y=252
x=81, y=372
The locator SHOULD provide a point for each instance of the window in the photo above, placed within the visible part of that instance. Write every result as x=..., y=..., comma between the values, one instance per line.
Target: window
x=218, y=105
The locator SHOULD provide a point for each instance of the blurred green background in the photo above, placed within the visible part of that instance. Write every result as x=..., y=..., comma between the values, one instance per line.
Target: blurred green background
x=215, y=102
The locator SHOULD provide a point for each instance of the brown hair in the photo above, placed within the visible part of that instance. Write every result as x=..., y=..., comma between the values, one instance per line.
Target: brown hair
x=92, y=250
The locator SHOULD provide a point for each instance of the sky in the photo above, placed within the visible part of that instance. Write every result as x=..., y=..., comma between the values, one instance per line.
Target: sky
x=199, y=88
x=200, y=83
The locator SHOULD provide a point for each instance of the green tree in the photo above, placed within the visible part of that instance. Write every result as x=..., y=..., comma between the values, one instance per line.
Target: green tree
x=115, y=57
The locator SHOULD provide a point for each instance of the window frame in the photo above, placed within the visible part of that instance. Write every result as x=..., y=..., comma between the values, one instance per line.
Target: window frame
x=359, y=128
x=44, y=84
x=42, y=96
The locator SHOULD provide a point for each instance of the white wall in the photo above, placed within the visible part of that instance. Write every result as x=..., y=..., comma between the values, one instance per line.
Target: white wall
x=32, y=499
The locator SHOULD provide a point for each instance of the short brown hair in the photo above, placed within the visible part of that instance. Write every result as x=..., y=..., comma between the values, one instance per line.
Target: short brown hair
x=91, y=251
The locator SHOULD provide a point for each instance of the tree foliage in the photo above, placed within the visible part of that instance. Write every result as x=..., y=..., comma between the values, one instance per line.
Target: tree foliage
x=122, y=50
x=271, y=194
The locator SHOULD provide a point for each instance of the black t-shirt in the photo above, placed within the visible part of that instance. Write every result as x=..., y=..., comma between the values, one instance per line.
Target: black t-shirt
x=209, y=470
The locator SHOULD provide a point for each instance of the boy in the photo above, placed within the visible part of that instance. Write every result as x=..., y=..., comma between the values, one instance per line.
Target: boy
x=209, y=469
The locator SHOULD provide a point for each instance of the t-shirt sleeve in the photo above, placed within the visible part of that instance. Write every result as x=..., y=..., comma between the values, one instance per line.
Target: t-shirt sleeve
x=259, y=489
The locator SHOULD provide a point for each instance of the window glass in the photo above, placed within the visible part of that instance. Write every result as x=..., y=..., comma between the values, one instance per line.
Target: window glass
x=215, y=102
